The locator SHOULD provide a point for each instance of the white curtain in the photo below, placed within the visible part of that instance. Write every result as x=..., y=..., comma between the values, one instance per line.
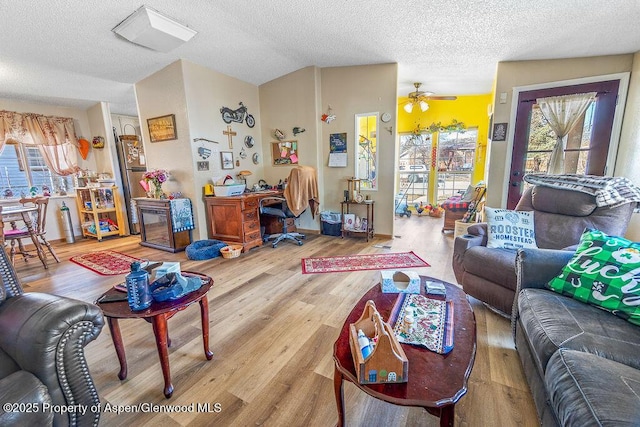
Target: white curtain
x=562, y=113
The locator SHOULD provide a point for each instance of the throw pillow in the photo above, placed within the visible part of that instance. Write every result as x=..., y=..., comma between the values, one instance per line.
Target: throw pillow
x=467, y=196
x=510, y=229
x=605, y=272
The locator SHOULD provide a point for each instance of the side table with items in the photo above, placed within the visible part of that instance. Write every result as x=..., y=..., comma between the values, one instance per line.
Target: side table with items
x=349, y=222
x=434, y=381
x=114, y=305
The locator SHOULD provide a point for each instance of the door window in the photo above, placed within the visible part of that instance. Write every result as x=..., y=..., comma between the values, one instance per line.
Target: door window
x=587, y=144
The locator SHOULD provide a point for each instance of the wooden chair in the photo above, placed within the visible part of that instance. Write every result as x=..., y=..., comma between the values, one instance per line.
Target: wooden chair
x=16, y=235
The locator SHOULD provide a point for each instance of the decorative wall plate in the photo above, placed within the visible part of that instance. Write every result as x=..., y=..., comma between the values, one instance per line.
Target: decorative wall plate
x=249, y=141
x=256, y=158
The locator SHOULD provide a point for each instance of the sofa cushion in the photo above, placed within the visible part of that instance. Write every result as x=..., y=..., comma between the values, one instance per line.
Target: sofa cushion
x=7, y=364
x=495, y=265
x=604, y=273
x=551, y=321
x=24, y=390
x=510, y=229
x=563, y=202
x=588, y=390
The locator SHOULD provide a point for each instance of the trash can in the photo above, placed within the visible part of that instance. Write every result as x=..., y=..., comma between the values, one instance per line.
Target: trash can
x=331, y=223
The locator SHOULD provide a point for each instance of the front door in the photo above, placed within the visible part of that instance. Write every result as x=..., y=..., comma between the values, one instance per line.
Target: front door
x=587, y=145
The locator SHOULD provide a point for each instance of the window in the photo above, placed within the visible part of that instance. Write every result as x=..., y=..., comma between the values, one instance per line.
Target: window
x=22, y=167
x=414, y=165
x=542, y=140
x=456, y=153
x=366, y=150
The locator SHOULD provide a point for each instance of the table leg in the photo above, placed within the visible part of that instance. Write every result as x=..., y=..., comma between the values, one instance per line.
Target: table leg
x=34, y=239
x=339, y=393
x=204, y=316
x=159, y=323
x=447, y=415
x=116, y=336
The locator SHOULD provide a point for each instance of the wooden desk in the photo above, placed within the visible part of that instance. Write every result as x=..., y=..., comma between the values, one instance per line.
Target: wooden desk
x=157, y=314
x=236, y=219
x=436, y=381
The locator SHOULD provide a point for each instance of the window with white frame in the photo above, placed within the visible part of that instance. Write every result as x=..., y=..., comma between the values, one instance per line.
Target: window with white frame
x=22, y=167
x=456, y=153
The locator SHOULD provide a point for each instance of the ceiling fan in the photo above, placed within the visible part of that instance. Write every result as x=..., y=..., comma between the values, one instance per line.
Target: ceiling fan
x=420, y=98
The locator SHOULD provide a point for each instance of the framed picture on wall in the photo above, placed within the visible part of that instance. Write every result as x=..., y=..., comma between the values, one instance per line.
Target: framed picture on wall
x=499, y=132
x=226, y=159
x=162, y=128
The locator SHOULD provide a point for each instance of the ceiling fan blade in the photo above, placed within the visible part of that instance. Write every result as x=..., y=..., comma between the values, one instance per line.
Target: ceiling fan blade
x=441, y=98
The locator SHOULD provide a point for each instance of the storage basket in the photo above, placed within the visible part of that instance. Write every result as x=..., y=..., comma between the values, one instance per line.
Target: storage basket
x=231, y=251
x=461, y=227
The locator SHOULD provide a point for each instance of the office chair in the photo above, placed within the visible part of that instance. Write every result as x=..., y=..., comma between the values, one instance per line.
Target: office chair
x=300, y=194
x=277, y=206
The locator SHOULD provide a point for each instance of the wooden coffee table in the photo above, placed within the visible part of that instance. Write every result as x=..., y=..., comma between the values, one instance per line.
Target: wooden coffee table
x=436, y=381
x=157, y=314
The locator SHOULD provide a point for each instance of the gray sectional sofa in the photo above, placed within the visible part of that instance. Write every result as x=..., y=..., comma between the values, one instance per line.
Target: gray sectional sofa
x=582, y=363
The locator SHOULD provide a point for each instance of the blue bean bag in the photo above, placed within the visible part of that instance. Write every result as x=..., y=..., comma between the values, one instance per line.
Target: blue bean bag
x=204, y=249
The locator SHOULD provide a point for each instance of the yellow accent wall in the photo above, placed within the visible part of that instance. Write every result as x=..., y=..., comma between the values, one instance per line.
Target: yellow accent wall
x=472, y=110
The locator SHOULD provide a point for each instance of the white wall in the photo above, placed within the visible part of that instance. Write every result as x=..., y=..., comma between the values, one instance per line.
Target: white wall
x=349, y=91
x=629, y=148
x=301, y=97
x=195, y=95
x=289, y=101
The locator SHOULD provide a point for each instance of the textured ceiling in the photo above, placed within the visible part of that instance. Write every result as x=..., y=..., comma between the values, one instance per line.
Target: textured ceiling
x=63, y=51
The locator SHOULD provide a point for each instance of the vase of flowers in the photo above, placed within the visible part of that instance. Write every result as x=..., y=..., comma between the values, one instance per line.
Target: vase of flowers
x=156, y=177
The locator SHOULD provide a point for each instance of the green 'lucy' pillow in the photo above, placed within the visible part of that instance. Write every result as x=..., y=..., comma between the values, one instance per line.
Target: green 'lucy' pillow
x=604, y=272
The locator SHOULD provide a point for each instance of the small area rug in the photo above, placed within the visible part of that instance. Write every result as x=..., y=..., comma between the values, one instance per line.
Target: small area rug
x=362, y=262
x=106, y=263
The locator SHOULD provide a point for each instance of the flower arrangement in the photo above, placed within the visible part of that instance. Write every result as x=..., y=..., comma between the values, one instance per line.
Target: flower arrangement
x=156, y=177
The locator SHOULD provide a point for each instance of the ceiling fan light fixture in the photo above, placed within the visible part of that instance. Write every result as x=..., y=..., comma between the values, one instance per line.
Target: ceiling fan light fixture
x=424, y=106
x=408, y=107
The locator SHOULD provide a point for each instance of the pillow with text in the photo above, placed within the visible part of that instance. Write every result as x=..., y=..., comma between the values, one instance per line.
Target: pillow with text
x=509, y=229
x=604, y=272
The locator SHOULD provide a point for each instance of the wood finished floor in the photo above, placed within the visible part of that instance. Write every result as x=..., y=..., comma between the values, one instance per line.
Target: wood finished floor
x=272, y=331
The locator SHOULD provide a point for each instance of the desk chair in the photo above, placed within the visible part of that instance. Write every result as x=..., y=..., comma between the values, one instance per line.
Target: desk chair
x=277, y=207
x=16, y=235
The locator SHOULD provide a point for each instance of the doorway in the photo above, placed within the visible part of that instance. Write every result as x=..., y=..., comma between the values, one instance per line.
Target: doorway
x=588, y=145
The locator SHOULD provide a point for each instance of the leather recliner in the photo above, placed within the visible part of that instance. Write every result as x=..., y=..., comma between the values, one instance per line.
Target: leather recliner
x=560, y=217
x=42, y=362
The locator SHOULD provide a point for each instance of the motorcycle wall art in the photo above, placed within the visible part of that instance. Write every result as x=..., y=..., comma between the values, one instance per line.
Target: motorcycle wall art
x=239, y=115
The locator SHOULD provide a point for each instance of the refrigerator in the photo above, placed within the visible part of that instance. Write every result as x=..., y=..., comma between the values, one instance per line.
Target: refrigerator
x=132, y=162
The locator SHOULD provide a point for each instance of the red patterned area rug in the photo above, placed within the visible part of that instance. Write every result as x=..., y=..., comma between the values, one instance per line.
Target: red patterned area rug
x=362, y=262
x=107, y=263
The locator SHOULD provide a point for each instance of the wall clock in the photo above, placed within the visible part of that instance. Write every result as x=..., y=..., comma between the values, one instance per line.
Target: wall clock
x=385, y=117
